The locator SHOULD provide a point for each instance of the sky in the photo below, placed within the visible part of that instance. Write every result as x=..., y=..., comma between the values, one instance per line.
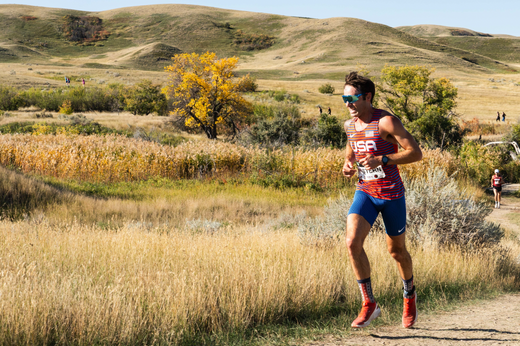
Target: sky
x=482, y=16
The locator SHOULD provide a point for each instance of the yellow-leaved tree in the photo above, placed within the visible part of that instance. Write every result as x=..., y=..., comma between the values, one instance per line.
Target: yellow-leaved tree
x=206, y=94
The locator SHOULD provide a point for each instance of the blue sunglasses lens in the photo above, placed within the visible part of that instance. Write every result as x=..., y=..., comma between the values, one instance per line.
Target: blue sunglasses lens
x=351, y=98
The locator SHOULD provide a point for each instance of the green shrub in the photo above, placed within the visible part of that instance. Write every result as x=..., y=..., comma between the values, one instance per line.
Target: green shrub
x=279, y=95
x=145, y=98
x=10, y=99
x=17, y=127
x=435, y=130
x=282, y=95
x=515, y=133
x=327, y=131
x=77, y=127
x=326, y=88
x=294, y=98
x=280, y=128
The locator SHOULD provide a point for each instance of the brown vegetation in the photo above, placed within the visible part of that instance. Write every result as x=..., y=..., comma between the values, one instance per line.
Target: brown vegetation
x=84, y=29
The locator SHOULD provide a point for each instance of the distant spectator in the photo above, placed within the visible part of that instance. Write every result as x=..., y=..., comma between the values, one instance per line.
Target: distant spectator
x=498, y=116
x=321, y=110
x=329, y=111
x=83, y=81
x=503, y=116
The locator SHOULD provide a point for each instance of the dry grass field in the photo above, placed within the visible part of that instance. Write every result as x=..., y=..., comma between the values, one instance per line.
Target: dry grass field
x=125, y=250
x=133, y=285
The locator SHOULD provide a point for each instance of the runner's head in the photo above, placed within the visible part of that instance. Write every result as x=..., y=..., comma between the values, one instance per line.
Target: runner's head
x=496, y=171
x=362, y=84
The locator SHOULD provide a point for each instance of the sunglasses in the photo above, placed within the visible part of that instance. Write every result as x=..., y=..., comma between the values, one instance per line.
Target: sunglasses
x=351, y=98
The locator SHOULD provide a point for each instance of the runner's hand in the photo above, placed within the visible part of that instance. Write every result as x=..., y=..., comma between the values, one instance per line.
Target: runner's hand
x=348, y=169
x=369, y=161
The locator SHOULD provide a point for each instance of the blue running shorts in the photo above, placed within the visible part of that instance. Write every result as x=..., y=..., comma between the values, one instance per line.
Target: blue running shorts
x=393, y=211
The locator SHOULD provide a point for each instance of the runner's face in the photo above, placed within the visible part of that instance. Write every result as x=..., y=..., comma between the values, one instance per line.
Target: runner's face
x=360, y=106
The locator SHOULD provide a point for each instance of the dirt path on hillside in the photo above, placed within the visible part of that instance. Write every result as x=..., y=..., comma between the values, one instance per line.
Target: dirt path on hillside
x=491, y=322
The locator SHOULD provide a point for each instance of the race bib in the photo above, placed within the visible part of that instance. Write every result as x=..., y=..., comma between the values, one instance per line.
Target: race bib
x=370, y=174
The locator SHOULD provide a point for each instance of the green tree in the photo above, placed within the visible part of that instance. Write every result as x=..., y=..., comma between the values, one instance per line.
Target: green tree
x=206, y=94
x=145, y=98
x=424, y=104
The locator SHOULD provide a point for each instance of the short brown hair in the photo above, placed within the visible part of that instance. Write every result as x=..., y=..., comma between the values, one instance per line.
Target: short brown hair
x=363, y=84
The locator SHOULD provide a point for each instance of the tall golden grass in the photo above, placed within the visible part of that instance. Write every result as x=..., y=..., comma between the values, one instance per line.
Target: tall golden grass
x=73, y=284
x=115, y=158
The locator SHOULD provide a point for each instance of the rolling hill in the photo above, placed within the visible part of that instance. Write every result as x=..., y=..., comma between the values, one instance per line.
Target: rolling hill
x=273, y=46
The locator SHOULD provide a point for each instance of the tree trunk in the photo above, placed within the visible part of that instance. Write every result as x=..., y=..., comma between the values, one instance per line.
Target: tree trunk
x=214, y=126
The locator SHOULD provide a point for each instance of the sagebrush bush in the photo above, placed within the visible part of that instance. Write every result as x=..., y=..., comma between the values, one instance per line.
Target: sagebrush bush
x=328, y=229
x=438, y=211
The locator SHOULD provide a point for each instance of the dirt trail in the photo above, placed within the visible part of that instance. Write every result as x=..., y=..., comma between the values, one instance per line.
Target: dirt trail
x=491, y=322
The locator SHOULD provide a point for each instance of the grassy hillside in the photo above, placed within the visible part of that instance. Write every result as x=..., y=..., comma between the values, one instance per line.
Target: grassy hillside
x=497, y=47
x=274, y=46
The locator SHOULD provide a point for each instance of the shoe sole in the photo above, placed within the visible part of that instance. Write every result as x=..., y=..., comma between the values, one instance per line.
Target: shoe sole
x=416, y=314
x=374, y=315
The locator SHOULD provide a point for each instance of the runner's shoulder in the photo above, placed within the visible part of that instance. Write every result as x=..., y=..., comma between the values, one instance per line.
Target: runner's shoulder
x=348, y=122
x=387, y=114
x=389, y=120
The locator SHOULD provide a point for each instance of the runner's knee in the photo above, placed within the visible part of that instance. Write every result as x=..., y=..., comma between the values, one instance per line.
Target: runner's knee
x=398, y=253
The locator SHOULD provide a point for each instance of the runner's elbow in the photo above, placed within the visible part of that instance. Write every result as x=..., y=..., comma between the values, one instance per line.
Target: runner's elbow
x=418, y=155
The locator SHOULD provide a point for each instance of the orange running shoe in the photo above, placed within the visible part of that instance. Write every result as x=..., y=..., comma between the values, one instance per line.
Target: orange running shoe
x=369, y=312
x=410, y=311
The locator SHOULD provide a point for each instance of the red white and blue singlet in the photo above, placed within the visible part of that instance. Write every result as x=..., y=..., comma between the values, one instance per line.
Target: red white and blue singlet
x=383, y=182
x=497, y=181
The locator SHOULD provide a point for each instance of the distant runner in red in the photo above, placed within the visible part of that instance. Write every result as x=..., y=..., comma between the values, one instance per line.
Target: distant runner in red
x=372, y=153
x=497, y=182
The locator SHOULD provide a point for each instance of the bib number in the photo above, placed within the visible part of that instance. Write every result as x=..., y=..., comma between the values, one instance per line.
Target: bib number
x=370, y=174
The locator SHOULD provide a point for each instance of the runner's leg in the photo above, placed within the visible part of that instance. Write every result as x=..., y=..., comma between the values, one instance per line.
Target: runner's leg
x=397, y=248
x=361, y=216
x=357, y=231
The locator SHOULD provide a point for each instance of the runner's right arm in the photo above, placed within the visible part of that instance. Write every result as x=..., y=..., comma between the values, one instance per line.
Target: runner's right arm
x=350, y=157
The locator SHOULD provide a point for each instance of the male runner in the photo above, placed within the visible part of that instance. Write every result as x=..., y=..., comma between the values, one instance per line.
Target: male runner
x=373, y=139
x=496, y=182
